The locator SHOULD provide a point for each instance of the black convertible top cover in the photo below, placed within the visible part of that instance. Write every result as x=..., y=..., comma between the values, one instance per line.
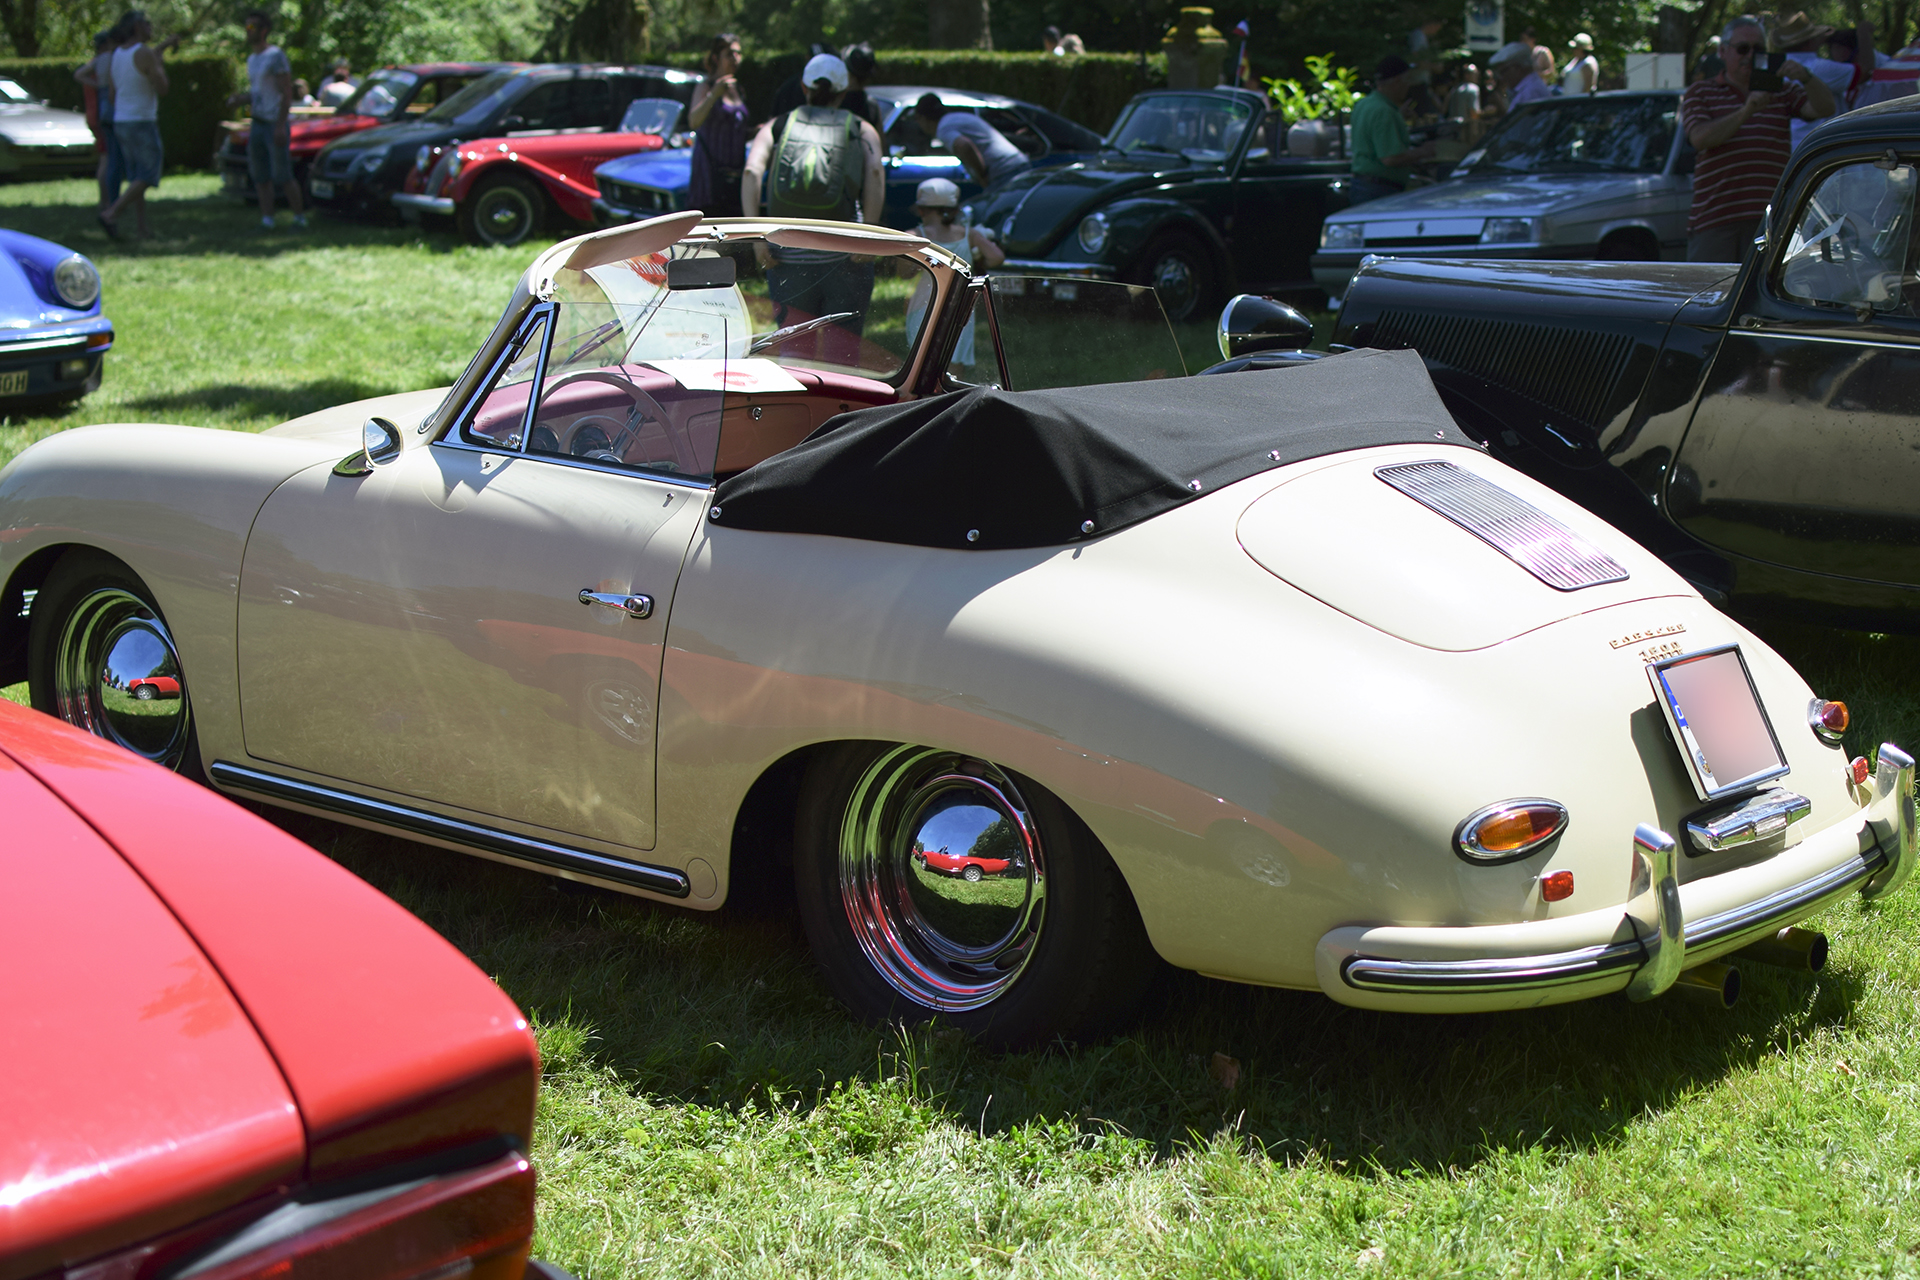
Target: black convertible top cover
x=985, y=469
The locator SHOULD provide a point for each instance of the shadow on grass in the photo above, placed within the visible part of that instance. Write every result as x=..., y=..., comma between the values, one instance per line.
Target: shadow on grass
x=720, y=1011
x=260, y=402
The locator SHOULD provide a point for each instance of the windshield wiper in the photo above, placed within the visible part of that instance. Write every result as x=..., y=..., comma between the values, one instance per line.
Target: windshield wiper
x=778, y=336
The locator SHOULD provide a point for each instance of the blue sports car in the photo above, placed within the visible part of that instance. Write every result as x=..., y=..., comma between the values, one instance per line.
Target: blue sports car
x=655, y=182
x=52, y=335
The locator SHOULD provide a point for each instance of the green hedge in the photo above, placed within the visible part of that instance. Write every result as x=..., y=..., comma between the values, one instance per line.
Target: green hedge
x=190, y=113
x=1090, y=89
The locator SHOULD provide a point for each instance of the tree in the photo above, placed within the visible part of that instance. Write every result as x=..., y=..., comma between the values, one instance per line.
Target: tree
x=960, y=24
x=21, y=20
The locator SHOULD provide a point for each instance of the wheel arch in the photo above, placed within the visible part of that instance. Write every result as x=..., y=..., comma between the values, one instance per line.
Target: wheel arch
x=1138, y=222
x=16, y=607
x=1639, y=235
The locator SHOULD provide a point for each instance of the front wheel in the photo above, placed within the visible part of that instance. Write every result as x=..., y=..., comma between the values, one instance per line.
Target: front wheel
x=96, y=631
x=502, y=211
x=1051, y=946
x=1181, y=271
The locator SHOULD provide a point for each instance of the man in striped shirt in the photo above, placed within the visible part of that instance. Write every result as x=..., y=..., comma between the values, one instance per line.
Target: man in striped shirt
x=1743, y=136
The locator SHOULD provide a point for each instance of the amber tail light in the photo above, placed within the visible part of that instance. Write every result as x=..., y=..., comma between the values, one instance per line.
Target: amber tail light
x=476, y=1224
x=1509, y=830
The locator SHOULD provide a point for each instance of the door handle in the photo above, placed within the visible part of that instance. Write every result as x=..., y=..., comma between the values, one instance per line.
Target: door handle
x=634, y=606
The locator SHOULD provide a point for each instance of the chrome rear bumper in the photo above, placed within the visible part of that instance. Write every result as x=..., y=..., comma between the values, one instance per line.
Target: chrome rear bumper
x=424, y=204
x=1643, y=947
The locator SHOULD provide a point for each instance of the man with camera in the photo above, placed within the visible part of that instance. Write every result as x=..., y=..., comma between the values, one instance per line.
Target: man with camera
x=1740, y=123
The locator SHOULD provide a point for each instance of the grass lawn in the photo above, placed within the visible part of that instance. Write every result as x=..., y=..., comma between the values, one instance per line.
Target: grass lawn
x=709, y=1110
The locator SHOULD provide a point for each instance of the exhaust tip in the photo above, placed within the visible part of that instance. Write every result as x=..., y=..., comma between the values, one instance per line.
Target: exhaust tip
x=1713, y=983
x=1800, y=949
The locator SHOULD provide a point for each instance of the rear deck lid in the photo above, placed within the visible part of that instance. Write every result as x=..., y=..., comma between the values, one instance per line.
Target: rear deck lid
x=1445, y=547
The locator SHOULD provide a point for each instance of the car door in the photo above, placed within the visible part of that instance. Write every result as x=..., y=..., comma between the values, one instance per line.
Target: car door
x=1804, y=449
x=1278, y=204
x=479, y=625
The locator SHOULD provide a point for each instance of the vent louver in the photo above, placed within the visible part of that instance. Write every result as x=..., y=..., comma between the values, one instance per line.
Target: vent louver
x=1570, y=371
x=1506, y=522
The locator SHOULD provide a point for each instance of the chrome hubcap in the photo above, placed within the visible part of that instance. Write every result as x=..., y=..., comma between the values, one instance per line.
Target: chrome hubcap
x=505, y=217
x=111, y=641
x=942, y=877
x=1173, y=281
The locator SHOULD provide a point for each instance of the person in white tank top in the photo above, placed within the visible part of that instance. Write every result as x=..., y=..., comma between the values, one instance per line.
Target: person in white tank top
x=1582, y=75
x=139, y=79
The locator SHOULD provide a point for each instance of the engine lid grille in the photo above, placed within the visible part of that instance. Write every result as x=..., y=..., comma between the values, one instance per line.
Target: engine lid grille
x=1509, y=524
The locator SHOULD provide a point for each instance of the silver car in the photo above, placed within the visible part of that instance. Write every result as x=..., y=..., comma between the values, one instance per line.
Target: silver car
x=1603, y=176
x=37, y=140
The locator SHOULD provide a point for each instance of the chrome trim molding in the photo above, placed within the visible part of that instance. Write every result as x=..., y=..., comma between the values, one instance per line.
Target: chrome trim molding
x=41, y=344
x=1558, y=969
x=1506, y=522
x=1038, y=266
x=426, y=204
x=1755, y=818
x=539, y=853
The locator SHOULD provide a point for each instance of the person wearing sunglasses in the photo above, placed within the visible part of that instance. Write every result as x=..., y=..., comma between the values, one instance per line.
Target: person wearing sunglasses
x=1743, y=135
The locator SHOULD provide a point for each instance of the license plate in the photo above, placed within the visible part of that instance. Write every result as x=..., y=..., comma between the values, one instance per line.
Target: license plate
x=1717, y=720
x=321, y=188
x=13, y=384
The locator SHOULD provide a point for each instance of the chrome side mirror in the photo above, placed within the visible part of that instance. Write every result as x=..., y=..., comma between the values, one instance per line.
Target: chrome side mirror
x=1250, y=323
x=379, y=445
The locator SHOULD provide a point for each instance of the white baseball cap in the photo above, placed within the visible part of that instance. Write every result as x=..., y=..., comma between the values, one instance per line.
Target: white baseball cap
x=824, y=66
x=937, y=193
x=1517, y=51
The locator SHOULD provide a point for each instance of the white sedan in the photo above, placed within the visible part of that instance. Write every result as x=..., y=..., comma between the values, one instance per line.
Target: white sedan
x=713, y=572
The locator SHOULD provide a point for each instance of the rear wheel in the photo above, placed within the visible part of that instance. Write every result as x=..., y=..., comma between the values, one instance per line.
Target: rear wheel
x=1181, y=271
x=502, y=211
x=95, y=630
x=1050, y=947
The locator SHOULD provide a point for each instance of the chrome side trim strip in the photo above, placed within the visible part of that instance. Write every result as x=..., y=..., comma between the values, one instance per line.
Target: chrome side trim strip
x=1506, y=522
x=541, y=853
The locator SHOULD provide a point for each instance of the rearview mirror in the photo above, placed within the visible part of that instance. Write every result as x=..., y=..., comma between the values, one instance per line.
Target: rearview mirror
x=699, y=273
x=379, y=445
x=1250, y=323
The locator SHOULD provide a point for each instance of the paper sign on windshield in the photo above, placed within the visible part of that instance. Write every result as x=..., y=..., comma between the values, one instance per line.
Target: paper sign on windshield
x=747, y=376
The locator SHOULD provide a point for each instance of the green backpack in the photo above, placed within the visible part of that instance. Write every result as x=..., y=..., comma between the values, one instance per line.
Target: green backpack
x=820, y=166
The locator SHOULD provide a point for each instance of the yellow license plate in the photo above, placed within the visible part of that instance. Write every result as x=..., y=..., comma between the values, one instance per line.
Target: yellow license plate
x=13, y=384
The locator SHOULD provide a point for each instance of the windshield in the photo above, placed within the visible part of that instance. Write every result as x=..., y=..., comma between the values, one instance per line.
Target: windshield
x=12, y=92
x=650, y=115
x=1201, y=126
x=479, y=101
x=381, y=95
x=1585, y=135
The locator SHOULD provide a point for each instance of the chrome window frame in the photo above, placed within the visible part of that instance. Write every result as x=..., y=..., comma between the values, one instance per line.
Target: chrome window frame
x=456, y=438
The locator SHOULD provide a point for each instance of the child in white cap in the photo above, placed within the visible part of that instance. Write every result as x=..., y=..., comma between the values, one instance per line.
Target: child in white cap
x=936, y=202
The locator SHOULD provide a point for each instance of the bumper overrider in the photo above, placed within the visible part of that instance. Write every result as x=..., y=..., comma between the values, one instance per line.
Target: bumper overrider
x=1664, y=928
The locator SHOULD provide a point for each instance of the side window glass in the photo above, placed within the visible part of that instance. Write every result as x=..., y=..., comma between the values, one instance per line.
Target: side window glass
x=591, y=107
x=1852, y=244
x=1015, y=130
x=912, y=140
x=539, y=109
x=497, y=422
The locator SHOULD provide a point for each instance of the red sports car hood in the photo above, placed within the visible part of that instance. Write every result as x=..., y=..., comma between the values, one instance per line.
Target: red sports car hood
x=135, y=1095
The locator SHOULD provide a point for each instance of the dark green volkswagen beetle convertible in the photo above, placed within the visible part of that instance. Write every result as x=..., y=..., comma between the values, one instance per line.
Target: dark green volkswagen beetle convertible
x=1187, y=194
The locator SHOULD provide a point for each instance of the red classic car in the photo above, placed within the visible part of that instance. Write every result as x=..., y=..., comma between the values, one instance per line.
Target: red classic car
x=959, y=864
x=147, y=688
x=386, y=95
x=502, y=190
x=224, y=1057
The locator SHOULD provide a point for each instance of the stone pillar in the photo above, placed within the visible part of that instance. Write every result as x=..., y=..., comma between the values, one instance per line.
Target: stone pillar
x=1194, y=51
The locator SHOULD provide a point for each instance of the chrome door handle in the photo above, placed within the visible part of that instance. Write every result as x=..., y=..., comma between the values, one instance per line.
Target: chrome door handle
x=634, y=606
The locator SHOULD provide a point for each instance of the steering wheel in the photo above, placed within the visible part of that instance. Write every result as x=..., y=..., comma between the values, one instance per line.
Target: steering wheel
x=644, y=409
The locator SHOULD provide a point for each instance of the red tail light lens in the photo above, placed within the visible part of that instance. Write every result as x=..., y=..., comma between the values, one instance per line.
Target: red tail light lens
x=476, y=1224
x=1556, y=886
x=1509, y=830
x=1828, y=719
x=1859, y=771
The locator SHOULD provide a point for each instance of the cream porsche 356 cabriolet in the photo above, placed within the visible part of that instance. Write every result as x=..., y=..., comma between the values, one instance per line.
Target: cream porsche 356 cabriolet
x=721, y=570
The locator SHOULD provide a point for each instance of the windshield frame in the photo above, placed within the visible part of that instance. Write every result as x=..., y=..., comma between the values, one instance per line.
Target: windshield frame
x=1226, y=162
x=492, y=87
x=1482, y=169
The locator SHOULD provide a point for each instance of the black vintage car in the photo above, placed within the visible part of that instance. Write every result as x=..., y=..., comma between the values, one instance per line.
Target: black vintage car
x=360, y=172
x=1758, y=427
x=1185, y=194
